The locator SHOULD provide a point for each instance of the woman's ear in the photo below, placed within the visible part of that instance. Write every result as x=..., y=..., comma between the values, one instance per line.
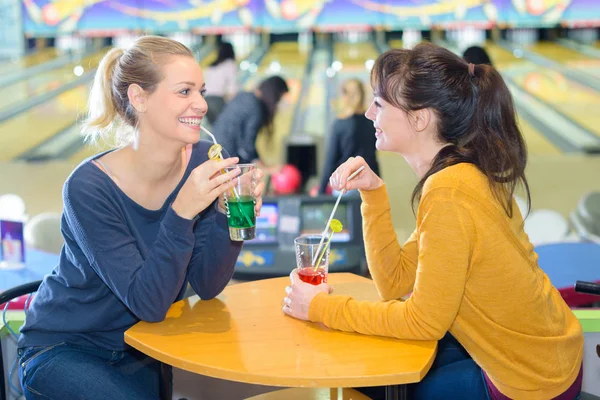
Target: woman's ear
x=421, y=119
x=137, y=97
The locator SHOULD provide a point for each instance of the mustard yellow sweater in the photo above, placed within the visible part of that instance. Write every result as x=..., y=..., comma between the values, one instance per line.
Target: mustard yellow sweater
x=472, y=271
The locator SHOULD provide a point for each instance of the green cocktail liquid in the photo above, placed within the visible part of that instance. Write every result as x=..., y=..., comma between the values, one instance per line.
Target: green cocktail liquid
x=241, y=212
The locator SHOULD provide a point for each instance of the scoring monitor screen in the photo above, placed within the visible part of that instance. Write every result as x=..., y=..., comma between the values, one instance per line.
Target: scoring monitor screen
x=266, y=224
x=315, y=216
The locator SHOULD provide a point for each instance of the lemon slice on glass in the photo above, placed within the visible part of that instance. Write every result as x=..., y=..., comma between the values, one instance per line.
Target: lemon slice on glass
x=214, y=153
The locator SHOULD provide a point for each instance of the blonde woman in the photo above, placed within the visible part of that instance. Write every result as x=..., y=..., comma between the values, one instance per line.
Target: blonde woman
x=352, y=133
x=139, y=223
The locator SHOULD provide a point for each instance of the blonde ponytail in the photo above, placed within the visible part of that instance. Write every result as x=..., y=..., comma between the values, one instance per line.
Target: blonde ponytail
x=102, y=109
x=110, y=117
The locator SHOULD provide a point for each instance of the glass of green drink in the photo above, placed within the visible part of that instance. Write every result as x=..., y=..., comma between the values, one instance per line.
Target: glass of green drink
x=240, y=202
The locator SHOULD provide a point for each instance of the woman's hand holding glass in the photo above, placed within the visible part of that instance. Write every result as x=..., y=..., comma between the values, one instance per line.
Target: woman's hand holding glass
x=204, y=185
x=365, y=180
x=299, y=296
x=258, y=191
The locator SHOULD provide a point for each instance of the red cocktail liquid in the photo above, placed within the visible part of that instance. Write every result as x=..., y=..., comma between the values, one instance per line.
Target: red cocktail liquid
x=309, y=275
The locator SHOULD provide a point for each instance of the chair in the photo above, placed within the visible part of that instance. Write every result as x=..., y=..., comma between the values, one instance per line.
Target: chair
x=31, y=287
x=42, y=232
x=12, y=207
x=586, y=217
x=546, y=226
x=6, y=296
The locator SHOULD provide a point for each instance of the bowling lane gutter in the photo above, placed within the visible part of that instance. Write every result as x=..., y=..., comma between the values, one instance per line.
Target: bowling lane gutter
x=44, y=67
x=299, y=118
x=46, y=96
x=584, y=49
x=577, y=76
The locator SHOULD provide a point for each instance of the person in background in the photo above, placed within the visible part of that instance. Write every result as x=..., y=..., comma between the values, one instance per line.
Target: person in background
x=221, y=81
x=352, y=133
x=477, y=55
x=139, y=222
x=503, y=330
x=237, y=127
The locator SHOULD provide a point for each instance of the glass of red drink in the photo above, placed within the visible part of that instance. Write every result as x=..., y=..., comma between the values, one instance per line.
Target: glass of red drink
x=306, y=249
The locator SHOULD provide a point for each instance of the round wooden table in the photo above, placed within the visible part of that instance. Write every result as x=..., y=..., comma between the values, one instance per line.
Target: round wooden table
x=243, y=336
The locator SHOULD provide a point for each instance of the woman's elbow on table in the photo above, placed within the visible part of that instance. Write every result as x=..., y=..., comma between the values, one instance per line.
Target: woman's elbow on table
x=151, y=315
x=148, y=312
x=209, y=293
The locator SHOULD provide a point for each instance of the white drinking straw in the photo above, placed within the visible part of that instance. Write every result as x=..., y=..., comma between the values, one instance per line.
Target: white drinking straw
x=332, y=214
x=235, y=192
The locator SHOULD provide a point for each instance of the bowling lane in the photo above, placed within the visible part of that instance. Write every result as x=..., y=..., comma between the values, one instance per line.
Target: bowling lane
x=314, y=104
x=578, y=102
x=39, y=57
x=395, y=44
x=535, y=140
x=46, y=81
x=568, y=57
x=287, y=59
x=31, y=128
x=87, y=151
x=537, y=143
x=354, y=58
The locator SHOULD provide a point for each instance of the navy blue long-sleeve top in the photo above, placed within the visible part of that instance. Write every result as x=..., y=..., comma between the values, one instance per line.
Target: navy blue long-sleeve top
x=122, y=263
x=238, y=125
x=350, y=137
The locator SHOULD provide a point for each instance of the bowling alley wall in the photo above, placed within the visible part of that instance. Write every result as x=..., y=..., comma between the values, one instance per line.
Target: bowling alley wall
x=98, y=17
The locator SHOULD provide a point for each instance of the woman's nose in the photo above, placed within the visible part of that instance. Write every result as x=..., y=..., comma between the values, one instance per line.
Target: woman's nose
x=200, y=105
x=370, y=114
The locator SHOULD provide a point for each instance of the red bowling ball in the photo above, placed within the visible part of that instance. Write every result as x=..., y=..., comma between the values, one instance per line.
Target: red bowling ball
x=287, y=181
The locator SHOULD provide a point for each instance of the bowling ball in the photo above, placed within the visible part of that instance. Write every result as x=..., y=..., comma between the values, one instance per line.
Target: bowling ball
x=287, y=180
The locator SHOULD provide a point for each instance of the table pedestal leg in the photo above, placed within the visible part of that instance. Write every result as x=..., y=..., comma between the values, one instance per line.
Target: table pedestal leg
x=165, y=386
x=396, y=392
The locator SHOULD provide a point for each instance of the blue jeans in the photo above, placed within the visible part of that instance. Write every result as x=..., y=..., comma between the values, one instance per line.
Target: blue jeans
x=453, y=375
x=68, y=371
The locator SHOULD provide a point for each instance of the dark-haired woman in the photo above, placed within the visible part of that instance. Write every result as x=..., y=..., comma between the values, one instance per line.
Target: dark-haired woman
x=221, y=81
x=245, y=115
x=503, y=330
